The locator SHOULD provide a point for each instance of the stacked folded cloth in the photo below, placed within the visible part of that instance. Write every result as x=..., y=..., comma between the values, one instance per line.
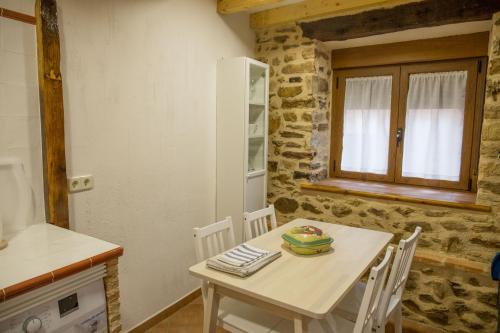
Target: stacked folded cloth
x=242, y=260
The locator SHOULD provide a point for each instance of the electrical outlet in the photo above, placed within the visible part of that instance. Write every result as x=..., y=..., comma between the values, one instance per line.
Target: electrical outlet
x=74, y=185
x=87, y=182
x=80, y=183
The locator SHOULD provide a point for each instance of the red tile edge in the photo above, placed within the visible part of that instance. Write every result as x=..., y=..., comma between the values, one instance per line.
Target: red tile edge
x=28, y=285
x=74, y=268
x=50, y=277
x=103, y=257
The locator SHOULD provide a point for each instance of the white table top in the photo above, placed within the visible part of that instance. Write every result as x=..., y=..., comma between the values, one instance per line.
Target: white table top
x=44, y=248
x=309, y=285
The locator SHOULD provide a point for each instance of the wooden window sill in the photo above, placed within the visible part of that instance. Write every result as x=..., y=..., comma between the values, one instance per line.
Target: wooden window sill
x=396, y=192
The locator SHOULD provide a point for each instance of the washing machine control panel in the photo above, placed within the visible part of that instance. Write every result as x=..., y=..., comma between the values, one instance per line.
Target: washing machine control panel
x=81, y=311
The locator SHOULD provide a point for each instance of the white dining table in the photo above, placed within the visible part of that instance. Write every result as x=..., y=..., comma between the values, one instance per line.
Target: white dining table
x=297, y=287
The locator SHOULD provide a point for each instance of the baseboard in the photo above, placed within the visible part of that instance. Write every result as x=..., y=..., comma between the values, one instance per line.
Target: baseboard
x=410, y=326
x=166, y=312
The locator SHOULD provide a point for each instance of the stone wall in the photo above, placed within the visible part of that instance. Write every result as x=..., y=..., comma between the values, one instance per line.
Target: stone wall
x=299, y=112
x=300, y=83
x=112, y=289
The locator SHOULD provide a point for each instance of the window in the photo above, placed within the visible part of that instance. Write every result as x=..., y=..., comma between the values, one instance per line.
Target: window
x=409, y=124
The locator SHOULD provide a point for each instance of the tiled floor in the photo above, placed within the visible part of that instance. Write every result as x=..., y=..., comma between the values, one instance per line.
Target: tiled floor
x=189, y=319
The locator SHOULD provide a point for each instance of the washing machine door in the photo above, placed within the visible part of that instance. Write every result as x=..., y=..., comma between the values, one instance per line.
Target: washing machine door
x=16, y=208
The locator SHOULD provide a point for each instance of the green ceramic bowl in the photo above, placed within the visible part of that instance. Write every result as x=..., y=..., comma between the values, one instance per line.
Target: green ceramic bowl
x=307, y=240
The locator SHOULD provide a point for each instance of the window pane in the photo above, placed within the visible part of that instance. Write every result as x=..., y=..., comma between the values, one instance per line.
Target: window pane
x=367, y=122
x=434, y=125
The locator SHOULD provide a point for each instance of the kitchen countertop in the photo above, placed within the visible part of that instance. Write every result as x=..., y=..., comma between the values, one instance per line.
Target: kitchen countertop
x=44, y=253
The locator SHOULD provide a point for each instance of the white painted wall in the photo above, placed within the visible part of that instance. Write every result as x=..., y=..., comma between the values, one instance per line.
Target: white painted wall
x=139, y=90
x=20, y=129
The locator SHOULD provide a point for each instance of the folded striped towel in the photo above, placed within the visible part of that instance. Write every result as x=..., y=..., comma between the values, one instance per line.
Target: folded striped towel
x=242, y=260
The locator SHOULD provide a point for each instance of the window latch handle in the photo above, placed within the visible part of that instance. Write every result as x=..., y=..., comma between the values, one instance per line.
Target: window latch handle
x=399, y=136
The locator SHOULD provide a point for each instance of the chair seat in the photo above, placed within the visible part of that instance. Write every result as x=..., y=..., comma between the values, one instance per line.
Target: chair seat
x=349, y=307
x=239, y=317
x=341, y=326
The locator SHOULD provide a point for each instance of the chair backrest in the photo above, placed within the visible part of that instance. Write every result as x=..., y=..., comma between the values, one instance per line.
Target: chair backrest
x=214, y=239
x=255, y=223
x=371, y=299
x=399, y=273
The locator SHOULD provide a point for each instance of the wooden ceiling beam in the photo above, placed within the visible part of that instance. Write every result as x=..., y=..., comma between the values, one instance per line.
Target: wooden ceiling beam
x=315, y=9
x=235, y=6
x=427, y=13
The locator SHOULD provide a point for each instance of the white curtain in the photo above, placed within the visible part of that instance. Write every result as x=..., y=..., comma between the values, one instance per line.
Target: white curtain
x=434, y=125
x=367, y=121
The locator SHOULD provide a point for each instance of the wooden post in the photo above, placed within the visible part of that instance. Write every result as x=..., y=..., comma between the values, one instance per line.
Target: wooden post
x=52, y=113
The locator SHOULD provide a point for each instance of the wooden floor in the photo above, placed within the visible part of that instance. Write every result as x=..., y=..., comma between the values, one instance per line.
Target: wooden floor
x=188, y=319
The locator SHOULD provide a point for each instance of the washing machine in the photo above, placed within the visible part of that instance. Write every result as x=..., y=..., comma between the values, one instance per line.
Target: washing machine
x=72, y=305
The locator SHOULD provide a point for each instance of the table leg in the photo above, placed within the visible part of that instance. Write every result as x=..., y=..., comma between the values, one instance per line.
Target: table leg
x=211, y=310
x=300, y=325
x=326, y=326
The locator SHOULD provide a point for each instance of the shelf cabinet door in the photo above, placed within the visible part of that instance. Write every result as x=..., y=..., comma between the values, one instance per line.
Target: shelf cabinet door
x=257, y=118
x=256, y=191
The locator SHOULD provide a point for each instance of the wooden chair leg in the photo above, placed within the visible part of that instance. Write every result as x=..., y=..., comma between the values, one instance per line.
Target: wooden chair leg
x=300, y=325
x=398, y=319
x=211, y=310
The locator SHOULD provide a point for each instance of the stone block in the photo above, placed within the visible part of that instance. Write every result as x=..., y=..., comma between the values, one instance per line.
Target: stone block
x=274, y=124
x=289, y=91
x=308, y=53
x=454, y=226
x=280, y=39
x=310, y=208
x=404, y=211
x=298, y=103
x=411, y=226
x=491, y=111
x=305, y=67
x=298, y=155
x=494, y=66
x=286, y=205
x=378, y=212
x=491, y=130
x=493, y=89
x=272, y=166
x=288, y=134
x=320, y=85
x=301, y=175
x=341, y=210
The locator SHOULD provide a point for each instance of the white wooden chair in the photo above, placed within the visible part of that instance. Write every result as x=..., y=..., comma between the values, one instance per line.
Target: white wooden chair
x=234, y=316
x=366, y=314
x=255, y=223
x=390, y=302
